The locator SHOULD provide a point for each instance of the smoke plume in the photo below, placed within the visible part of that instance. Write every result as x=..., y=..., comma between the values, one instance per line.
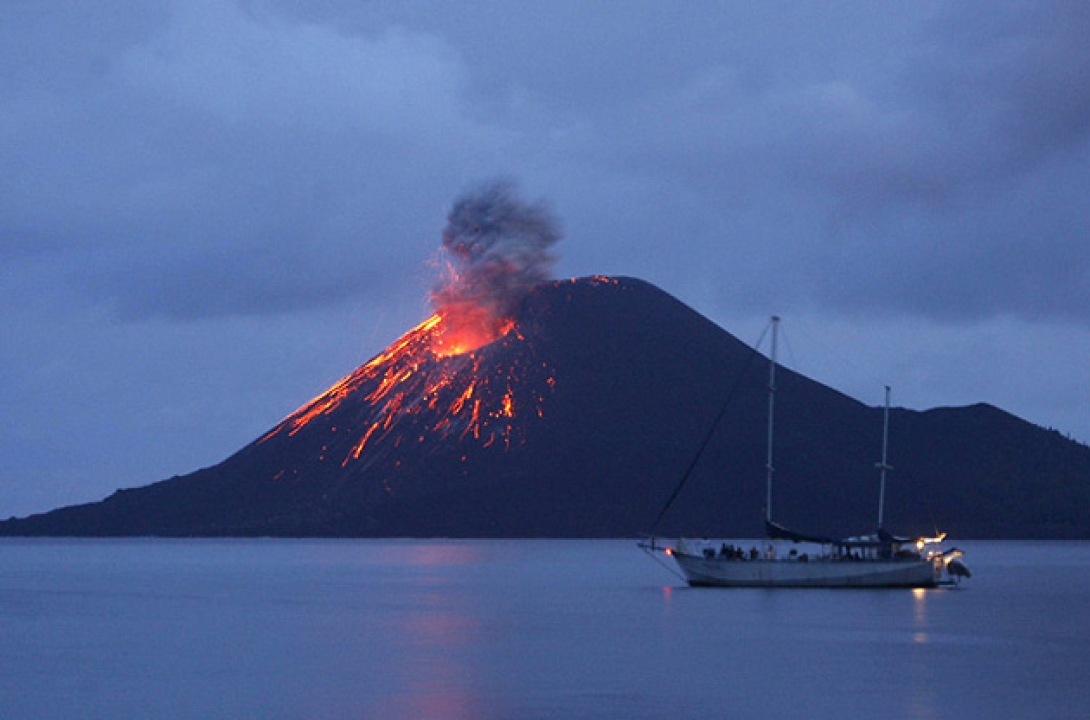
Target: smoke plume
x=496, y=247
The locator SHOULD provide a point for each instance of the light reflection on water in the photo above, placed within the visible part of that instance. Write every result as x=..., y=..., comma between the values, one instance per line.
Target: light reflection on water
x=518, y=629
x=919, y=614
x=438, y=636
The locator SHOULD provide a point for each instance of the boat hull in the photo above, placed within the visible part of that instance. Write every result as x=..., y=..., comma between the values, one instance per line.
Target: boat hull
x=818, y=573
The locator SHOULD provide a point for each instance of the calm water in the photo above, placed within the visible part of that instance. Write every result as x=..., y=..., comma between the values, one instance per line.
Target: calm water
x=521, y=630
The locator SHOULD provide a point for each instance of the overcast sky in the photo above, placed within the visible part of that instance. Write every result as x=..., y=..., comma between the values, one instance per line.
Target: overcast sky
x=211, y=210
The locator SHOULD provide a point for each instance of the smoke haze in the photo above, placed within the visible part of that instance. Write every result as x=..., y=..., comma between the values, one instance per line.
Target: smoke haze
x=496, y=247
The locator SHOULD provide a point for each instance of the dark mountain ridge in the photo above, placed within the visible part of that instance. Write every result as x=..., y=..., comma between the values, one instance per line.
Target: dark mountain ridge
x=580, y=422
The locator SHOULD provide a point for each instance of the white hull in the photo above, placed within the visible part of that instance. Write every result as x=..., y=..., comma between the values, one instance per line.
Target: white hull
x=818, y=573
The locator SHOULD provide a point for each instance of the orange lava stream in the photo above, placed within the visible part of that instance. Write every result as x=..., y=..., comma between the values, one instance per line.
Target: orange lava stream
x=421, y=373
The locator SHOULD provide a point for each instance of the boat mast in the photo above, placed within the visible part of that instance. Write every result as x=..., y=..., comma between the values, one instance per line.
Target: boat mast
x=883, y=466
x=771, y=408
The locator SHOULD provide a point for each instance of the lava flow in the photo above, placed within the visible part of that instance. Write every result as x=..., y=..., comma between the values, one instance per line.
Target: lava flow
x=441, y=379
x=451, y=396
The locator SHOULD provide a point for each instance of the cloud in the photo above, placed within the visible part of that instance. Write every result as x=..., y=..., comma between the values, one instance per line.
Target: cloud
x=233, y=137
x=251, y=68
x=938, y=178
x=252, y=160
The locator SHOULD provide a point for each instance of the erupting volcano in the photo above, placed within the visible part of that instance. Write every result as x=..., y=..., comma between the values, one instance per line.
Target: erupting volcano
x=530, y=407
x=495, y=250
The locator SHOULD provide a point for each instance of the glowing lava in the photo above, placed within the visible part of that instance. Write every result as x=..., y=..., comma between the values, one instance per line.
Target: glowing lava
x=469, y=329
x=419, y=377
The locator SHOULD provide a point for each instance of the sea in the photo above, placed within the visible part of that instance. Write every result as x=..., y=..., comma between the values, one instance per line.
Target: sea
x=520, y=630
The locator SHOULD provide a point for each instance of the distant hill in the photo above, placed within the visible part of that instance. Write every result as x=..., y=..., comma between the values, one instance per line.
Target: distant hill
x=580, y=422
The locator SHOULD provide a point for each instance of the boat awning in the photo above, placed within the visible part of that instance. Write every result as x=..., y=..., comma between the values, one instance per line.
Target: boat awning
x=882, y=538
x=775, y=531
x=894, y=539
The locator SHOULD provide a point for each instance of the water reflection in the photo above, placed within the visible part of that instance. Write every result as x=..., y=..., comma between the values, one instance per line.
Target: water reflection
x=439, y=555
x=919, y=615
x=540, y=630
x=924, y=701
x=439, y=635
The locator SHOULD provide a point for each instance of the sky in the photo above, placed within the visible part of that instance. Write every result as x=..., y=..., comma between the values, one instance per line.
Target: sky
x=211, y=210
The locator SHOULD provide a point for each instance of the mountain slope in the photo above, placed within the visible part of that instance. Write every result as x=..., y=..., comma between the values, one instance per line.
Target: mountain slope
x=581, y=421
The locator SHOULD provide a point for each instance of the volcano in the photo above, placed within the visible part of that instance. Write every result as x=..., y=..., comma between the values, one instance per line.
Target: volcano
x=580, y=420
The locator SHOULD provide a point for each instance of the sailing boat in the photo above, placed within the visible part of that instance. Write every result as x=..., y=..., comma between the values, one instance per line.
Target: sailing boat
x=880, y=560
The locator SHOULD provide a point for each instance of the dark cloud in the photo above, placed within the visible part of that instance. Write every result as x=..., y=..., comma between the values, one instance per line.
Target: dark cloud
x=250, y=160
x=937, y=178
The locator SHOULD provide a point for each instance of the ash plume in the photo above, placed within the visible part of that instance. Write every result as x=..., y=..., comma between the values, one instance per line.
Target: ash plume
x=496, y=247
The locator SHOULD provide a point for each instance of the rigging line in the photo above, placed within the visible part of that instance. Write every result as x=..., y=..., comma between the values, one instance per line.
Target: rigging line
x=711, y=432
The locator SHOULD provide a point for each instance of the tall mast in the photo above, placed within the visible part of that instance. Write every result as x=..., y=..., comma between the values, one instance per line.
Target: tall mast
x=771, y=408
x=883, y=466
